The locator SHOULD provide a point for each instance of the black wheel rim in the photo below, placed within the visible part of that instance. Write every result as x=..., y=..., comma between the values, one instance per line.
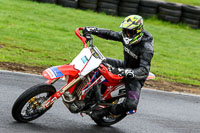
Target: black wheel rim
x=30, y=110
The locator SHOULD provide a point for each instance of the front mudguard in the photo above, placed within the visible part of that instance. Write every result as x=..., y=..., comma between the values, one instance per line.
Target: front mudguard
x=57, y=72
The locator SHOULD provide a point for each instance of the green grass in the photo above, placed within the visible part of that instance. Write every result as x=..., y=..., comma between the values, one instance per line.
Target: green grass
x=41, y=34
x=187, y=2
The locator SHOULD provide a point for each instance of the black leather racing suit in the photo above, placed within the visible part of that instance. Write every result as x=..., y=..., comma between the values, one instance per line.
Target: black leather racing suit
x=138, y=58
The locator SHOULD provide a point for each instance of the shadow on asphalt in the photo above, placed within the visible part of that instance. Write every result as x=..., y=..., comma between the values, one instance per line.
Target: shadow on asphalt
x=38, y=127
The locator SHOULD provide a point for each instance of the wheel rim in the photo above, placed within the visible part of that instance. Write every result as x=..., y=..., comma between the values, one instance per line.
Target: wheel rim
x=31, y=109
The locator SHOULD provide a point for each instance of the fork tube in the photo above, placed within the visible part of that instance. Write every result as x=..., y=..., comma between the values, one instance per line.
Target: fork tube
x=59, y=93
x=73, y=82
x=99, y=53
x=53, y=81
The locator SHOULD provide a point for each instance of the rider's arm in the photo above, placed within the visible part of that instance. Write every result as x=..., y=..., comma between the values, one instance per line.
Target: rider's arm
x=104, y=33
x=108, y=34
x=144, y=66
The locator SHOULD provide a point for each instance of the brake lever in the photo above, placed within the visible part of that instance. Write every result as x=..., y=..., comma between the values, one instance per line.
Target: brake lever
x=110, y=67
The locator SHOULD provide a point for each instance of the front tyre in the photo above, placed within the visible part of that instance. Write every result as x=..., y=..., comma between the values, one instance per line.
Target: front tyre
x=26, y=107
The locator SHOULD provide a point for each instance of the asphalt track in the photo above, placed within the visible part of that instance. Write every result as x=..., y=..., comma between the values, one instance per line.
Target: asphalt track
x=158, y=112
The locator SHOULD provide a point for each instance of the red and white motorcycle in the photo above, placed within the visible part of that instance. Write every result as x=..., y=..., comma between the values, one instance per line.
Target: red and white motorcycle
x=89, y=86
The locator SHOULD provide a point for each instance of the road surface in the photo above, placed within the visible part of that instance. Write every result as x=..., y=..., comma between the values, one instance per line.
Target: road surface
x=158, y=112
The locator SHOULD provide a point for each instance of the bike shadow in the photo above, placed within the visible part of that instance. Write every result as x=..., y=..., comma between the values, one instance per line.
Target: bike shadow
x=63, y=128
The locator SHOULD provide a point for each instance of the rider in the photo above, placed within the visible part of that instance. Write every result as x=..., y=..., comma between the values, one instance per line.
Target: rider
x=138, y=52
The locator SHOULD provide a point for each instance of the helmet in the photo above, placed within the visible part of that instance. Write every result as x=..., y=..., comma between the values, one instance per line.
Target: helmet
x=132, y=29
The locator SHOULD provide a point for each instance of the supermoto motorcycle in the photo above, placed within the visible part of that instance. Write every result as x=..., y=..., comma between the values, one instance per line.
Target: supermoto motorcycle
x=90, y=86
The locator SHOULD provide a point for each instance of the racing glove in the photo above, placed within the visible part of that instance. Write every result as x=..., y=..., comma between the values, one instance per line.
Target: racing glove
x=118, y=71
x=89, y=30
x=129, y=73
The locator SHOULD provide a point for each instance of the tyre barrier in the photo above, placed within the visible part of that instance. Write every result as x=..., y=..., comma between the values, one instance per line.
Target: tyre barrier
x=109, y=7
x=191, y=16
x=148, y=8
x=128, y=7
x=47, y=1
x=88, y=4
x=170, y=11
x=68, y=3
x=167, y=11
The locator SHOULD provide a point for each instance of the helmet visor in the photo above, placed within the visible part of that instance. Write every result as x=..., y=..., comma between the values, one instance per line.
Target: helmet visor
x=129, y=33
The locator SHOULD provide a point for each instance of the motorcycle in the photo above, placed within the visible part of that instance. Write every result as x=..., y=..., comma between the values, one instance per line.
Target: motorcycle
x=90, y=86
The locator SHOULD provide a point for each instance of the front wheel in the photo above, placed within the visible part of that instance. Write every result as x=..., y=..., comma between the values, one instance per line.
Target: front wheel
x=111, y=119
x=26, y=107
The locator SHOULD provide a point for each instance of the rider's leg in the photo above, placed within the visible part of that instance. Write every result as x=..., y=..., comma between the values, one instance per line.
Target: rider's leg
x=133, y=88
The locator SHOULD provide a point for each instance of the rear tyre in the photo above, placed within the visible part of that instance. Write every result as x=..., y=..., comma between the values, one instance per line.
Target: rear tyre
x=111, y=119
x=26, y=107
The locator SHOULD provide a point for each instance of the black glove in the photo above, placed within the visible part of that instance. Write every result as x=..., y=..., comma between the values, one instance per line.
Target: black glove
x=129, y=73
x=118, y=71
x=89, y=30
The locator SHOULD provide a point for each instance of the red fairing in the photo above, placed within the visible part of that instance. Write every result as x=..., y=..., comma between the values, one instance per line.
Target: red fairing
x=68, y=70
x=59, y=71
x=112, y=78
x=113, y=90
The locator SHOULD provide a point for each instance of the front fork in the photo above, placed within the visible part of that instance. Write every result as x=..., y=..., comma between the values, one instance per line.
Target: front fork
x=59, y=93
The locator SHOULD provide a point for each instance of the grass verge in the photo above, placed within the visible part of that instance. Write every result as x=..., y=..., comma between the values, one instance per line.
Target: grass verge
x=187, y=2
x=42, y=34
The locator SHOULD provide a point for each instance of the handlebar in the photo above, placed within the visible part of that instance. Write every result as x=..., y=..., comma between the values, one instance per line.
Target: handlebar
x=90, y=39
x=83, y=39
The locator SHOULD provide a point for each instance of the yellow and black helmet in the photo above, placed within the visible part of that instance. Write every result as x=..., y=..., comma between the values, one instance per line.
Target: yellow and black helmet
x=132, y=29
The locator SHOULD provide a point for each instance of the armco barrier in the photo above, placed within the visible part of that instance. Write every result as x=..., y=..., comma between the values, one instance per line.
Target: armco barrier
x=167, y=11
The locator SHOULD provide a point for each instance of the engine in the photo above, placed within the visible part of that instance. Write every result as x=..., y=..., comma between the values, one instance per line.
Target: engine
x=73, y=102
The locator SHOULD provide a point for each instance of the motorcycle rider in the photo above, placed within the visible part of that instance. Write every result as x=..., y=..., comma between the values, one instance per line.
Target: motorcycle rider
x=138, y=52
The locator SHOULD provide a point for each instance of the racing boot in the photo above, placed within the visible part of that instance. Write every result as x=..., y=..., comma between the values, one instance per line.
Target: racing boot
x=98, y=114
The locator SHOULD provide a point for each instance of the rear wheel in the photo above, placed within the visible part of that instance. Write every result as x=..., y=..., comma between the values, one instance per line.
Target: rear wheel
x=27, y=106
x=111, y=119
